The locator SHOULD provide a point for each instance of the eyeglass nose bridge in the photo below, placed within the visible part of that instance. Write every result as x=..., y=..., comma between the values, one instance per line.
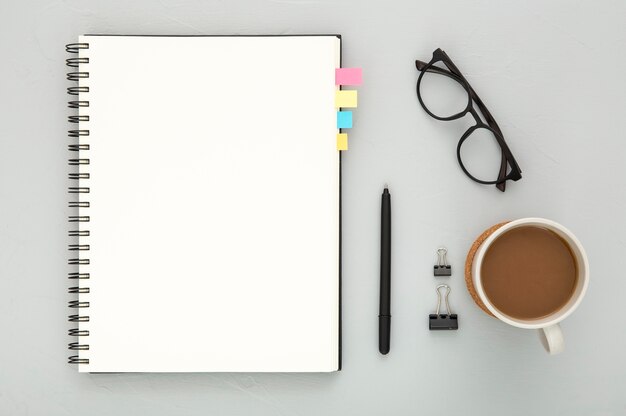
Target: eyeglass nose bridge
x=479, y=121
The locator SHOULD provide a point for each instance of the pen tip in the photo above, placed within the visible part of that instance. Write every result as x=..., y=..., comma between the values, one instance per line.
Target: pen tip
x=386, y=186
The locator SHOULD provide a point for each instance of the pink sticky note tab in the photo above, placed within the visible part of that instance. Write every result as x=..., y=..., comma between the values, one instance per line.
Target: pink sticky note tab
x=348, y=76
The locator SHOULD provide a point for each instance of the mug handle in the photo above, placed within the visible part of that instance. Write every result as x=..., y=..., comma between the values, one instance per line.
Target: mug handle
x=552, y=339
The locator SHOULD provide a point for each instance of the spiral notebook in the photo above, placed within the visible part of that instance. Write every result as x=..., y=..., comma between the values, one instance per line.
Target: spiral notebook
x=205, y=204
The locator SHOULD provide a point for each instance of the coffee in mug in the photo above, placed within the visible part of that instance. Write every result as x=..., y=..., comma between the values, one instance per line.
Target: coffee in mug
x=529, y=272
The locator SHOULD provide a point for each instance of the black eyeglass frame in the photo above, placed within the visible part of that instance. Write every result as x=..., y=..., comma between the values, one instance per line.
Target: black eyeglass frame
x=455, y=74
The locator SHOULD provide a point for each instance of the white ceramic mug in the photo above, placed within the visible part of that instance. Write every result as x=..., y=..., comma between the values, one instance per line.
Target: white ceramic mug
x=550, y=331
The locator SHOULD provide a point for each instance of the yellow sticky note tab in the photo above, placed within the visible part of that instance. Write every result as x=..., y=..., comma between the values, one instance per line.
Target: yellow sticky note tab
x=346, y=99
x=342, y=141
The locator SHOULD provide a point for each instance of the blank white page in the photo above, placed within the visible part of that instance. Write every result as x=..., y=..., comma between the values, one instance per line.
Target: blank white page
x=214, y=204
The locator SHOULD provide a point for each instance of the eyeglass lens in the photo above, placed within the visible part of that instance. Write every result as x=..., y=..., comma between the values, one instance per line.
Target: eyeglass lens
x=443, y=96
x=481, y=155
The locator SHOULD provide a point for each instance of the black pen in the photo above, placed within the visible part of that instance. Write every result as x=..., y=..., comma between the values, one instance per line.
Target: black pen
x=384, y=316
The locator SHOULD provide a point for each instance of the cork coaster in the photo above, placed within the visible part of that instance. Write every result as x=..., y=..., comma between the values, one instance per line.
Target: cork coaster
x=470, y=260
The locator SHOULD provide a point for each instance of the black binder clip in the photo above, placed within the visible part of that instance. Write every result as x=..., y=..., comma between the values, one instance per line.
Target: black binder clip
x=449, y=320
x=442, y=268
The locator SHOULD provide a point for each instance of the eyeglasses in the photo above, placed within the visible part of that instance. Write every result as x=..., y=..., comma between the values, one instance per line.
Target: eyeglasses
x=446, y=111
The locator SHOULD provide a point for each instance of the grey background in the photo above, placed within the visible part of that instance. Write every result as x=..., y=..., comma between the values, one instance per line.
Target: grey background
x=553, y=75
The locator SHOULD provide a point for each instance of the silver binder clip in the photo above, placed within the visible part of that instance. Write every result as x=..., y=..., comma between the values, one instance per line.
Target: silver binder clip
x=442, y=268
x=448, y=320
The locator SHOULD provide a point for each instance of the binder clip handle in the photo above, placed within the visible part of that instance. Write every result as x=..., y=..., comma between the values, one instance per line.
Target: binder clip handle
x=448, y=290
x=448, y=320
x=442, y=268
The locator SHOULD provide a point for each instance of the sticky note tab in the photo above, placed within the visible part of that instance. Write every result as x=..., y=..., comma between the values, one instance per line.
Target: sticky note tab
x=348, y=76
x=344, y=119
x=346, y=98
x=342, y=141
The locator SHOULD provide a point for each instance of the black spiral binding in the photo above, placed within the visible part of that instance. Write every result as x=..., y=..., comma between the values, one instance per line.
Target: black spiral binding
x=78, y=257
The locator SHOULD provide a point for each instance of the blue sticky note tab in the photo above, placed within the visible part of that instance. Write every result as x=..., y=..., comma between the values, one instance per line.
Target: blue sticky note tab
x=344, y=119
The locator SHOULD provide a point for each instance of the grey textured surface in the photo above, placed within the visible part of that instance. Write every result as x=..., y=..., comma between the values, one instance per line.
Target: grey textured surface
x=553, y=75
